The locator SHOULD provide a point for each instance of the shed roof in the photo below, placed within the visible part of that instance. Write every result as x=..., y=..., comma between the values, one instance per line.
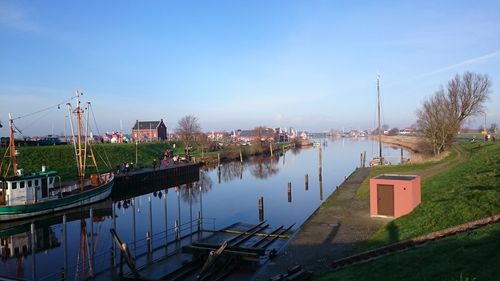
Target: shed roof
x=396, y=177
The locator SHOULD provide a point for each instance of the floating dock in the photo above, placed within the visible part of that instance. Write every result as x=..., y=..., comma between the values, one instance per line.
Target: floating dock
x=143, y=181
x=232, y=253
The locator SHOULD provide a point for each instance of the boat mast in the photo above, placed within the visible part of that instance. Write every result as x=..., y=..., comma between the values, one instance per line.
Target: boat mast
x=378, y=112
x=12, y=146
x=80, y=155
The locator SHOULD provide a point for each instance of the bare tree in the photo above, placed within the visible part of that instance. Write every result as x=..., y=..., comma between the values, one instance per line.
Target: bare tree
x=187, y=130
x=443, y=114
x=259, y=133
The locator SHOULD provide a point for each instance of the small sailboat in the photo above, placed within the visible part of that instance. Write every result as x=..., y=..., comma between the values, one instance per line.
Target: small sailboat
x=378, y=160
x=24, y=195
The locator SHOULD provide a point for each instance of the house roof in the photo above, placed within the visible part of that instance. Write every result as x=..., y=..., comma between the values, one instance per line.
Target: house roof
x=144, y=125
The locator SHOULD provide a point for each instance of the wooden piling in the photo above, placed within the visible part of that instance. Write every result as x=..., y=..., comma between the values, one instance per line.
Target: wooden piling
x=289, y=192
x=241, y=156
x=33, y=254
x=364, y=159
x=320, y=160
x=218, y=159
x=271, y=148
x=306, y=181
x=261, y=208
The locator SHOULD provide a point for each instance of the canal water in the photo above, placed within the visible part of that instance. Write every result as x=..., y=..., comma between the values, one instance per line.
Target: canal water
x=148, y=218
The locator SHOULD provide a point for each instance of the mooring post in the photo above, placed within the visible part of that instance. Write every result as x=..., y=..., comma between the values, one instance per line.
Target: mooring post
x=241, y=156
x=306, y=181
x=199, y=221
x=218, y=159
x=320, y=160
x=149, y=239
x=166, y=217
x=261, y=208
x=150, y=215
x=289, y=192
x=190, y=213
x=320, y=187
x=65, y=245
x=177, y=230
x=33, y=253
x=361, y=160
x=134, y=233
x=402, y=155
x=91, y=217
x=271, y=148
x=201, y=205
x=364, y=159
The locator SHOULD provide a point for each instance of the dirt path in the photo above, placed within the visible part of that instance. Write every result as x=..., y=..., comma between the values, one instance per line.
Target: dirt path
x=335, y=228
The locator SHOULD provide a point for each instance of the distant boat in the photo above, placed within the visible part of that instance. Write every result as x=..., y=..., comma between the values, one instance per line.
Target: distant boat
x=379, y=160
x=38, y=193
x=304, y=142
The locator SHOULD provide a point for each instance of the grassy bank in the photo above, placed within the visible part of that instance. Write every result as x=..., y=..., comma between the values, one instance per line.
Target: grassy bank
x=61, y=157
x=463, y=187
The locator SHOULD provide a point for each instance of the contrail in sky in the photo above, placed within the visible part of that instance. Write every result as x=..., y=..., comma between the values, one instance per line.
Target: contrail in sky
x=466, y=62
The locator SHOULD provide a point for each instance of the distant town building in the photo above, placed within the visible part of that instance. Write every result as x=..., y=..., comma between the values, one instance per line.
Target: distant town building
x=149, y=131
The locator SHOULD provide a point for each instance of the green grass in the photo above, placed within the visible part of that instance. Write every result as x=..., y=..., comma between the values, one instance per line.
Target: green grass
x=61, y=157
x=461, y=193
x=467, y=256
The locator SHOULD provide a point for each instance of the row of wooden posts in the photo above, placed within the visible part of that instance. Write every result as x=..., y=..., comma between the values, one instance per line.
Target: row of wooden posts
x=289, y=192
x=306, y=184
x=241, y=154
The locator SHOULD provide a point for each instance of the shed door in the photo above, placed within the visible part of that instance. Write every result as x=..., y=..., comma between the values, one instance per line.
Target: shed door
x=385, y=197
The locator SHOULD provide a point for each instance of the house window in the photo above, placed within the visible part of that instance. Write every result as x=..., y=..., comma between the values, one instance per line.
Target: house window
x=51, y=180
x=14, y=185
x=36, y=182
x=30, y=183
x=21, y=184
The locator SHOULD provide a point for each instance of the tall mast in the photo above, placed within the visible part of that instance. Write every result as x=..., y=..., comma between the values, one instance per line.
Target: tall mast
x=79, y=153
x=378, y=112
x=12, y=146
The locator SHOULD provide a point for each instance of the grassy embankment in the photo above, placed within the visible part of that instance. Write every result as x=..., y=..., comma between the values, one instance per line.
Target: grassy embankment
x=61, y=157
x=463, y=187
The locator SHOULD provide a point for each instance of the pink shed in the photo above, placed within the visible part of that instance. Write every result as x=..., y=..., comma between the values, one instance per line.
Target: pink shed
x=394, y=195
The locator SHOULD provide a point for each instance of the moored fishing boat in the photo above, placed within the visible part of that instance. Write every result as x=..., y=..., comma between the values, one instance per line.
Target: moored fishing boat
x=24, y=195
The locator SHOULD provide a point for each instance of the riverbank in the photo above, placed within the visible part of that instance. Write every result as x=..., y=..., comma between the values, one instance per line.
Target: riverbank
x=418, y=146
x=333, y=230
x=61, y=158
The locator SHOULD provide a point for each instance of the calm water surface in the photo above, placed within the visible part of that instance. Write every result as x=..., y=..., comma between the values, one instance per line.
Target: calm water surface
x=221, y=197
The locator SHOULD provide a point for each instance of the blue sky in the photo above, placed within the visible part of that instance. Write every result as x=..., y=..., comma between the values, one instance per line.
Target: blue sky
x=240, y=64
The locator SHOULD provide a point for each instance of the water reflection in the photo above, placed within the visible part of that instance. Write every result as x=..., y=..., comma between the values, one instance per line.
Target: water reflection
x=263, y=168
x=148, y=217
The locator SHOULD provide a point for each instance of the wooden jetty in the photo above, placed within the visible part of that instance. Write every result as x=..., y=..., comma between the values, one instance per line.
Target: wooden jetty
x=217, y=255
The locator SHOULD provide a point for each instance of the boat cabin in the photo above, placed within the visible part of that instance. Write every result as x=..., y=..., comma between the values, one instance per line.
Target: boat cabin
x=27, y=189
